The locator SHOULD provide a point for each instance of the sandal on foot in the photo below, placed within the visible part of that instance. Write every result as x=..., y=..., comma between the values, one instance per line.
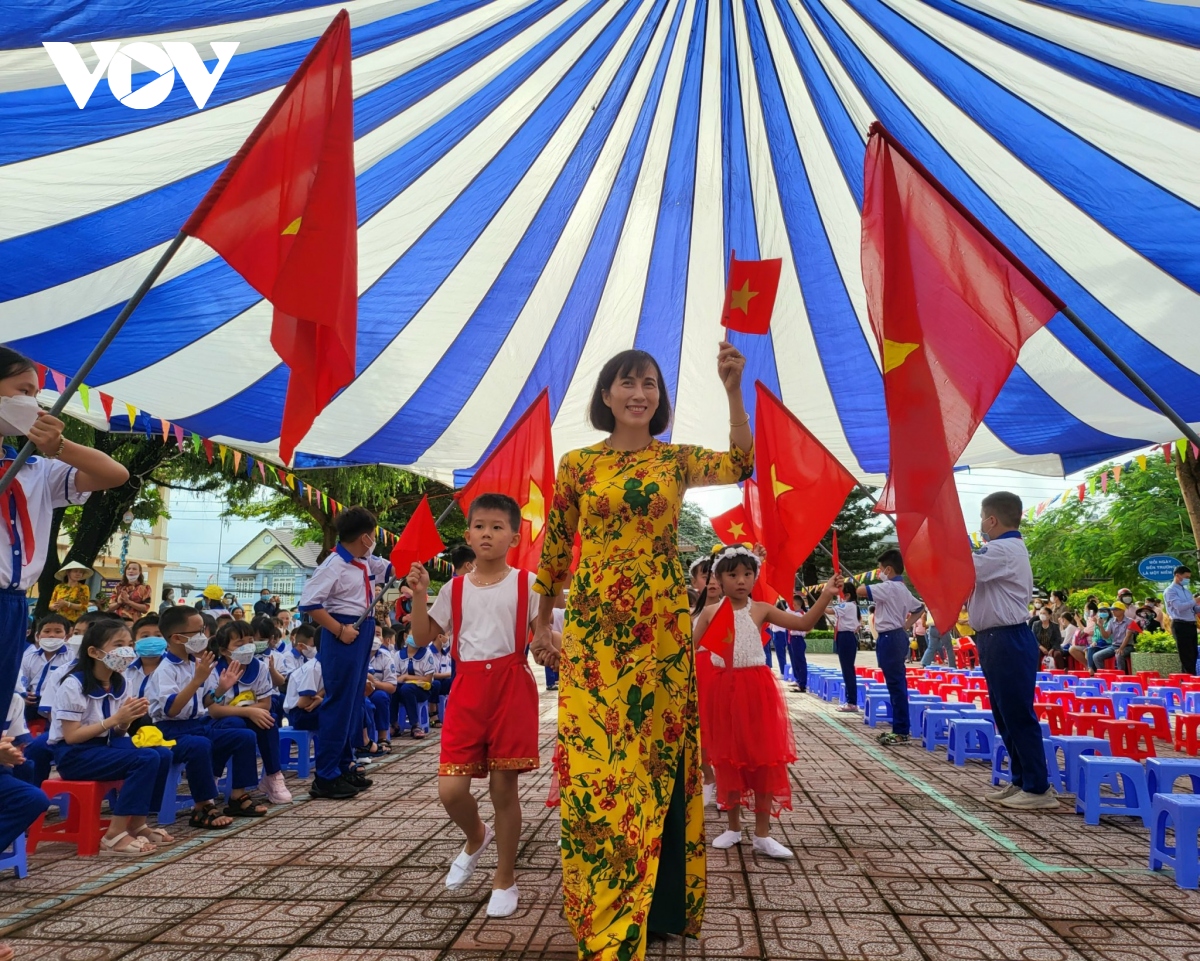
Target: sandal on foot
x=385, y=747
x=136, y=848
x=206, y=819
x=417, y=734
x=153, y=835
x=244, y=807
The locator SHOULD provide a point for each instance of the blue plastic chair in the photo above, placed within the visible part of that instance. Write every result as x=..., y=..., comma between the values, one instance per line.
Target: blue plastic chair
x=970, y=739
x=422, y=717
x=172, y=801
x=1132, y=797
x=879, y=708
x=935, y=728
x=306, y=744
x=1183, y=813
x=1001, y=763
x=15, y=858
x=1172, y=695
x=1163, y=772
x=1072, y=749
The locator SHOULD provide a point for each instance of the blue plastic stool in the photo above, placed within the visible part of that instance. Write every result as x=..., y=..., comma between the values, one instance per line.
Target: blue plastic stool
x=1091, y=772
x=15, y=857
x=1191, y=702
x=422, y=717
x=305, y=742
x=1126, y=687
x=443, y=699
x=935, y=728
x=1045, y=729
x=172, y=801
x=1045, y=677
x=1121, y=701
x=833, y=689
x=863, y=689
x=970, y=739
x=1072, y=748
x=1183, y=811
x=1001, y=763
x=879, y=708
x=1151, y=700
x=1089, y=687
x=1172, y=695
x=978, y=714
x=917, y=709
x=1163, y=772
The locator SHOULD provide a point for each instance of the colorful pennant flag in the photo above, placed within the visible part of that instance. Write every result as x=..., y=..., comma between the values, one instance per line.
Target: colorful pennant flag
x=131, y=412
x=84, y=397
x=106, y=403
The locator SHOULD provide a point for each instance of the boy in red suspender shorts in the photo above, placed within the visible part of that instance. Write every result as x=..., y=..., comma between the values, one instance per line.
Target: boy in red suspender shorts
x=492, y=730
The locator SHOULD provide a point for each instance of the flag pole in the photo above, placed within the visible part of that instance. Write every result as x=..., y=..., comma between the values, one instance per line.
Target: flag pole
x=1117, y=361
x=875, y=504
x=446, y=513
x=102, y=345
x=828, y=553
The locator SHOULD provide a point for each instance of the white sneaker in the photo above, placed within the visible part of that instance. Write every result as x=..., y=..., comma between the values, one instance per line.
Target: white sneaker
x=727, y=840
x=771, y=848
x=1025, y=801
x=710, y=795
x=503, y=903
x=848, y=709
x=464, y=865
x=273, y=786
x=995, y=797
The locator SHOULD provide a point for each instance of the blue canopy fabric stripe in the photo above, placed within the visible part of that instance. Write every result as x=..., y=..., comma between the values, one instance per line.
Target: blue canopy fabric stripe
x=542, y=183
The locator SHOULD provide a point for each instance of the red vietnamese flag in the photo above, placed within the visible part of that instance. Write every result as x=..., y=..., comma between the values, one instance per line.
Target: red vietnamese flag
x=521, y=466
x=750, y=294
x=837, y=561
x=418, y=542
x=718, y=636
x=950, y=307
x=763, y=591
x=734, y=527
x=283, y=215
x=801, y=488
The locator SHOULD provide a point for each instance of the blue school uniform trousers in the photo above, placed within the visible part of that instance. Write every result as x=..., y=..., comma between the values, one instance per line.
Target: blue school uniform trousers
x=891, y=650
x=14, y=625
x=798, y=649
x=207, y=745
x=1010, y=658
x=340, y=720
x=143, y=769
x=20, y=805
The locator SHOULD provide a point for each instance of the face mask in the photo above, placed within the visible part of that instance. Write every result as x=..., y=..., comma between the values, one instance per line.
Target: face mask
x=150, y=646
x=376, y=645
x=74, y=644
x=243, y=654
x=17, y=414
x=1186, y=582
x=882, y=577
x=52, y=644
x=1045, y=618
x=260, y=647
x=119, y=659
x=307, y=652
x=195, y=644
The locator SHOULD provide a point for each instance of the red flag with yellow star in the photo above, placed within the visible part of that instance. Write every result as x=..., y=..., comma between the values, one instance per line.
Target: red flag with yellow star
x=750, y=294
x=521, y=466
x=283, y=215
x=733, y=527
x=940, y=288
x=801, y=489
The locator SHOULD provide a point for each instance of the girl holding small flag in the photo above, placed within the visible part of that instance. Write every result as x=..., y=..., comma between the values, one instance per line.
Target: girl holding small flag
x=64, y=473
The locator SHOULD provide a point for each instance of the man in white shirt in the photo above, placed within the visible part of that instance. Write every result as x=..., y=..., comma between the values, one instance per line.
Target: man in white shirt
x=1008, y=651
x=1181, y=608
x=896, y=610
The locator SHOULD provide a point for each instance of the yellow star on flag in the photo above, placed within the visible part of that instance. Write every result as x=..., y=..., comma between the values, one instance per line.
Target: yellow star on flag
x=737, y=530
x=777, y=485
x=740, y=299
x=895, y=354
x=534, y=511
x=292, y=229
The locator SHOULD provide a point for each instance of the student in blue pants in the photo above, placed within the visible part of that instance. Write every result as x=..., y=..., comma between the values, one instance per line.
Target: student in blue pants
x=339, y=592
x=306, y=686
x=20, y=801
x=381, y=681
x=89, y=735
x=847, y=621
x=895, y=612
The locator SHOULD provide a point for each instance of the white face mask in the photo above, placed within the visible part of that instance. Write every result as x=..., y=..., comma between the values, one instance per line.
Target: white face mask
x=376, y=645
x=74, y=644
x=52, y=644
x=881, y=576
x=195, y=644
x=307, y=652
x=243, y=654
x=17, y=414
x=119, y=659
x=1045, y=618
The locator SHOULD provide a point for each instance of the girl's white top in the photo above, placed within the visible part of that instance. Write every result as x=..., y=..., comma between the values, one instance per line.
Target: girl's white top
x=747, y=642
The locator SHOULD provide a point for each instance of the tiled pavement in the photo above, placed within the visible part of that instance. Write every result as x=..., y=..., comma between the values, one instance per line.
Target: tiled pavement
x=897, y=858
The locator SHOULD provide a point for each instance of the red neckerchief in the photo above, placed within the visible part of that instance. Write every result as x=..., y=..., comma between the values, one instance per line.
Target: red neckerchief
x=14, y=497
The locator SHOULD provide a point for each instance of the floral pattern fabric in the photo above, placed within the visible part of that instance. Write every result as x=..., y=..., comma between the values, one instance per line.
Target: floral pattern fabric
x=72, y=599
x=122, y=594
x=627, y=691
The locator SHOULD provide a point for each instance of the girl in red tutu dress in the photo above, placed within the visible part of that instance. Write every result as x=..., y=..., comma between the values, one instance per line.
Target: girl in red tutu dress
x=747, y=730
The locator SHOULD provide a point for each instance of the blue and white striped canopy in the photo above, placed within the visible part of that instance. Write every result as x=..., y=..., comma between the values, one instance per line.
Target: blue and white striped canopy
x=544, y=182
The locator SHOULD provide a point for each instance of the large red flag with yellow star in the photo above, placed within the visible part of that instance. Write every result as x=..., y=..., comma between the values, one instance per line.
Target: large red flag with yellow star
x=801, y=489
x=951, y=307
x=521, y=466
x=733, y=527
x=750, y=294
x=283, y=215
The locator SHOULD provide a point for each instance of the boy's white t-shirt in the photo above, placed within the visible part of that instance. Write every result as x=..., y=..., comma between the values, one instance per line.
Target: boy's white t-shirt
x=489, y=617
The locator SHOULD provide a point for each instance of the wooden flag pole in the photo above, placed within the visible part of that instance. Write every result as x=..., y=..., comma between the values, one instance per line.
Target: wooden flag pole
x=101, y=346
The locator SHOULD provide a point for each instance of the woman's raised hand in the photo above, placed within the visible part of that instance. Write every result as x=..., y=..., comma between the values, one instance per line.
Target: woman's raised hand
x=730, y=364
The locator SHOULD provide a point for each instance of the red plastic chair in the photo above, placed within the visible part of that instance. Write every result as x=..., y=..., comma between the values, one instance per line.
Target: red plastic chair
x=966, y=655
x=1133, y=739
x=1187, y=734
x=1095, y=705
x=82, y=825
x=1055, y=714
x=1086, y=724
x=1065, y=699
x=1147, y=676
x=1178, y=680
x=1156, y=714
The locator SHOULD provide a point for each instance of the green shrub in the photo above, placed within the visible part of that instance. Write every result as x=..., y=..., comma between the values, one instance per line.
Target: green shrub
x=1155, y=642
x=1077, y=599
x=819, y=634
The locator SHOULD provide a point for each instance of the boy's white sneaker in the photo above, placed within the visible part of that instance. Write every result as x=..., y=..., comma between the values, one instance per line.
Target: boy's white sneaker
x=1025, y=801
x=771, y=848
x=727, y=840
x=465, y=864
x=273, y=786
x=503, y=903
x=1002, y=794
x=710, y=795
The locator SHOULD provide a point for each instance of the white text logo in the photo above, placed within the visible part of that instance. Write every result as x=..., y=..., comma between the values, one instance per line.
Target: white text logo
x=118, y=58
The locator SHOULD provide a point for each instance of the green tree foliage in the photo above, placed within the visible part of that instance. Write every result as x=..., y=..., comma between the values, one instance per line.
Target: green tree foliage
x=860, y=531
x=1103, y=537
x=695, y=531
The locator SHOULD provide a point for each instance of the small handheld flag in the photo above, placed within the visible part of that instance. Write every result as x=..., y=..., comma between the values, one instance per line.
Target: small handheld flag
x=750, y=294
x=837, y=564
x=718, y=636
x=418, y=542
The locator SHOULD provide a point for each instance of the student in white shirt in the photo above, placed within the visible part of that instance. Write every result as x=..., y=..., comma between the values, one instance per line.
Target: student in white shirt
x=306, y=686
x=443, y=674
x=89, y=734
x=149, y=646
x=414, y=681
x=896, y=611
x=381, y=680
x=845, y=643
x=248, y=702
x=1008, y=651
x=63, y=473
x=339, y=592
x=43, y=660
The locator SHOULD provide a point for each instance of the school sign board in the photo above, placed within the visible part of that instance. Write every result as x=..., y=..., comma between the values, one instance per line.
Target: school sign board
x=1159, y=568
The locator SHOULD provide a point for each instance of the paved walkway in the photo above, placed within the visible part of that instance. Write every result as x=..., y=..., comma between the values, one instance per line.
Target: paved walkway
x=897, y=858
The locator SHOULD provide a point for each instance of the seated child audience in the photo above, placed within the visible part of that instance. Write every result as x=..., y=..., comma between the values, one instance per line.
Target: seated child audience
x=306, y=687
x=414, y=671
x=20, y=801
x=47, y=655
x=381, y=685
